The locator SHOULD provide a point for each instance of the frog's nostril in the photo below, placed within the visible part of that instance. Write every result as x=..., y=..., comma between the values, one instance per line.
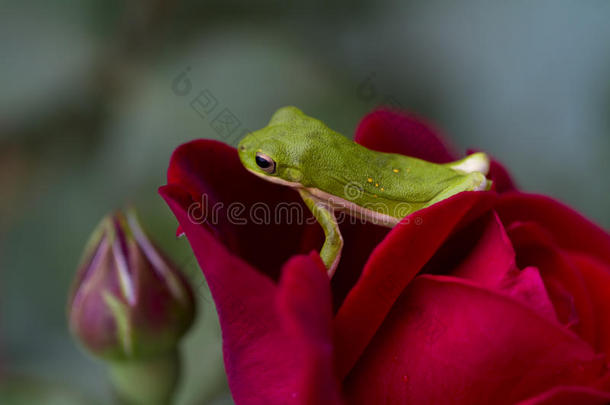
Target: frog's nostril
x=242, y=148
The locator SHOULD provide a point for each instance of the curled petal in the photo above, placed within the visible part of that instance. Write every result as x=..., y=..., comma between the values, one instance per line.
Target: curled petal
x=569, y=229
x=490, y=262
x=491, y=258
x=535, y=247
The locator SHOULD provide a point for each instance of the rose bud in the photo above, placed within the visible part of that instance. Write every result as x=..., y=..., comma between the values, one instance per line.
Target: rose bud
x=130, y=306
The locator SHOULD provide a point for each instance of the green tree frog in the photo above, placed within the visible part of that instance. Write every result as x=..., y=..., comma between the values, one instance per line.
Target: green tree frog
x=334, y=174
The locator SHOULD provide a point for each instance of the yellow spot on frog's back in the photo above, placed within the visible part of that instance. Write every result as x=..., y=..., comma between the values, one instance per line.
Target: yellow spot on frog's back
x=376, y=184
x=375, y=195
x=395, y=170
x=259, y=150
x=382, y=188
x=369, y=180
x=408, y=170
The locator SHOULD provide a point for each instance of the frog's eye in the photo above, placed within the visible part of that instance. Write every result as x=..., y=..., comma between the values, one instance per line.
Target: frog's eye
x=265, y=162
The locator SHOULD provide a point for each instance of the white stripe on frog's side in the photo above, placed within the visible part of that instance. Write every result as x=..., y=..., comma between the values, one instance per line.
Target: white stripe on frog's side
x=353, y=209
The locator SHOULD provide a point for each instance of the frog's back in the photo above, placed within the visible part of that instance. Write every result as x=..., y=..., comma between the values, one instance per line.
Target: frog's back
x=390, y=183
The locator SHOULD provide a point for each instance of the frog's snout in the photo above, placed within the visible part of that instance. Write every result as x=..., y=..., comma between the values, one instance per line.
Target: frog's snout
x=246, y=143
x=244, y=149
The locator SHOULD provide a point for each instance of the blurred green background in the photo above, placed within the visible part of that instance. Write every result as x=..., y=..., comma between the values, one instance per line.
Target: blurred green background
x=91, y=111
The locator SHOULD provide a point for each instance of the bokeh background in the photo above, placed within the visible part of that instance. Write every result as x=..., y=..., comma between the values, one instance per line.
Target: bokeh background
x=92, y=104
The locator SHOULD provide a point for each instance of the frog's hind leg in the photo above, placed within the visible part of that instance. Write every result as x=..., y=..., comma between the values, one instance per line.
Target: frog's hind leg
x=475, y=181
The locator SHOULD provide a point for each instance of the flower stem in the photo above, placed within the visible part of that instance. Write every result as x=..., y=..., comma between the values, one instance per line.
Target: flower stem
x=149, y=381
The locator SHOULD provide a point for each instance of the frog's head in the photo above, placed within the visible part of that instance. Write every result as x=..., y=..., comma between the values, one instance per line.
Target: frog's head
x=276, y=152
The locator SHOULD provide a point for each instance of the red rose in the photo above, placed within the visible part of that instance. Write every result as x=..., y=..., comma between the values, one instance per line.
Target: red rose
x=487, y=297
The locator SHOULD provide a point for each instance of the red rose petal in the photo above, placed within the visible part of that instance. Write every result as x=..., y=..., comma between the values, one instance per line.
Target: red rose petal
x=391, y=267
x=359, y=241
x=492, y=258
x=535, y=247
x=491, y=263
x=569, y=229
x=597, y=279
x=304, y=305
x=447, y=341
x=502, y=181
x=394, y=132
x=569, y=396
x=527, y=287
x=276, y=338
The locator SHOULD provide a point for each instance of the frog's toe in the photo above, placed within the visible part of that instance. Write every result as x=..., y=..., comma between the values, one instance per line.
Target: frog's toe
x=483, y=183
x=477, y=162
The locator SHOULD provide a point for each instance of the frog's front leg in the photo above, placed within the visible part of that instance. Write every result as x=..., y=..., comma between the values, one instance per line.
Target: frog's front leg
x=331, y=250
